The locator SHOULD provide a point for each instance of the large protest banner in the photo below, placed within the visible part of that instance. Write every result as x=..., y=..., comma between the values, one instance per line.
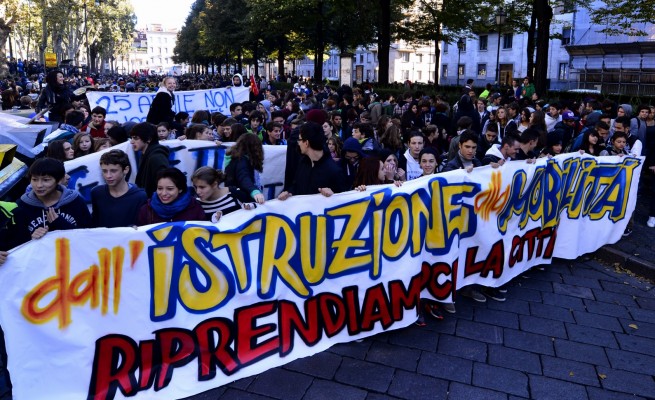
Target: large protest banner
x=185, y=155
x=123, y=107
x=170, y=310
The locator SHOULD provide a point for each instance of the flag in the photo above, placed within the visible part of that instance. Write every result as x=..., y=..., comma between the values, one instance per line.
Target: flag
x=253, y=85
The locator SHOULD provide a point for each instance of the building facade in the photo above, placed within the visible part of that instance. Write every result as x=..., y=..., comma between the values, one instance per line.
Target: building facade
x=152, y=52
x=582, y=57
x=415, y=63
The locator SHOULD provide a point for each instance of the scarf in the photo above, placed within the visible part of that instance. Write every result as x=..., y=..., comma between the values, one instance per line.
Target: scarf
x=168, y=211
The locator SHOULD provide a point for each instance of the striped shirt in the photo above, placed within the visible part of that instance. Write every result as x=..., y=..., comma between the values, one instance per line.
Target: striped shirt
x=226, y=204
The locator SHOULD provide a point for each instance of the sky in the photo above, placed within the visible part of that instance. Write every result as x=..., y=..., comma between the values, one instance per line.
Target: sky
x=170, y=13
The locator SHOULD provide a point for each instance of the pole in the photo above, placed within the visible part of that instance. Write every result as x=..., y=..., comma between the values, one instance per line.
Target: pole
x=498, y=58
x=459, y=55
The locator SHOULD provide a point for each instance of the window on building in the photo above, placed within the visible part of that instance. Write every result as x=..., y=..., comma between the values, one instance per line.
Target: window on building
x=508, y=38
x=405, y=74
x=482, y=70
x=483, y=42
x=420, y=57
x=445, y=47
x=361, y=59
x=404, y=56
x=368, y=57
x=464, y=46
x=563, y=71
x=368, y=74
x=419, y=76
x=566, y=36
x=460, y=69
x=159, y=50
x=444, y=71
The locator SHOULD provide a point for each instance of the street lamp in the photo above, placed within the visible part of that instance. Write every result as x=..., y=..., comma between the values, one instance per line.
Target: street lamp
x=460, y=47
x=500, y=20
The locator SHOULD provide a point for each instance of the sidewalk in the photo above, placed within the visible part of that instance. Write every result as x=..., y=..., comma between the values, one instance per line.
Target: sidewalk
x=581, y=329
x=636, y=252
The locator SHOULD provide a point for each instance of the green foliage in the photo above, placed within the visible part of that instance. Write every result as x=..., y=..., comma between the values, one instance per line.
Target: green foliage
x=619, y=17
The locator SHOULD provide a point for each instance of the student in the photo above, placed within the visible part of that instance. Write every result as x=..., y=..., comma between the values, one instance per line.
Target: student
x=171, y=202
x=527, y=143
x=592, y=142
x=154, y=157
x=48, y=206
x=117, y=203
x=68, y=130
x=503, y=152
x=256, y=120
x=392, y=171
x=428, y=160
x=364, y=133
x=199, y=132
x=334, y=147
x=82, y=144
x=179, y=123
x=617, y=148
x=246, y=165
x=409, y=160
x=164, y=131
x=97, y=125
x=161, y=109
x=60, y=150
x=274, y=134
x=465, y=158
x=316, y=172
x=215, y=200
x=101, y=144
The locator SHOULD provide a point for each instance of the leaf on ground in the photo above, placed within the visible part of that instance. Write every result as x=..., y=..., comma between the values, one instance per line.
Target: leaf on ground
x=602, y=376
x=571, y=373
x=633, y=326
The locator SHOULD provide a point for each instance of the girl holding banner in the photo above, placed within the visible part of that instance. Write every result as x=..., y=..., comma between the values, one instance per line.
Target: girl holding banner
x=161, y=109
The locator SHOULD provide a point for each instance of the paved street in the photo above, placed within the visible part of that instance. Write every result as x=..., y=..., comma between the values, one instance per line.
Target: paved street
x=578, y=330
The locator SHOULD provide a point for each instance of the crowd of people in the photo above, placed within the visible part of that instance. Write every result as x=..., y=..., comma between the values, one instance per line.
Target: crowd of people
x=337, y=140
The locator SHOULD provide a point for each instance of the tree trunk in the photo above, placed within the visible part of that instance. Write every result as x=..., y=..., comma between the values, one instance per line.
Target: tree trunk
x=320, y=45
x=530, y=44
x=384, y=42
x=5, y=29
x=281, y=52
x=544, y=18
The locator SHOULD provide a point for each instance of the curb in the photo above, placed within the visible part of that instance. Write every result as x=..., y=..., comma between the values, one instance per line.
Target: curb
x=637, y=265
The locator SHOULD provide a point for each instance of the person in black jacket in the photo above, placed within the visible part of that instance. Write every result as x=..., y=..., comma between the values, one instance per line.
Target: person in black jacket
x=161, y=109
x=154, y=157
x=54, y=96
x=316, y=171
x=465, y=159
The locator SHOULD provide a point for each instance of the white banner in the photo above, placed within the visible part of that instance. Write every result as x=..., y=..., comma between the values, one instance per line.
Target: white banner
x=123, y=107
x=185, y=155
x=171, y=310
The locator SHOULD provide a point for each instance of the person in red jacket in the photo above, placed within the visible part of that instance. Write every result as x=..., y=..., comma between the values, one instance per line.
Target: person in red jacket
x=171, y=202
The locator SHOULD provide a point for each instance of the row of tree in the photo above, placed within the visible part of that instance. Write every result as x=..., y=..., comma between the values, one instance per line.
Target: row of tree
x=234, y=32
x=68, y=28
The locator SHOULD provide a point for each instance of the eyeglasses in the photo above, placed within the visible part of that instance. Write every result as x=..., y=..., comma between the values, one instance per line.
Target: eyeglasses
x=301, y=139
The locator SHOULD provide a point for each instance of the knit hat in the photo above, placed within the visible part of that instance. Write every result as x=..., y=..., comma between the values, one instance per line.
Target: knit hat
x=317, y=116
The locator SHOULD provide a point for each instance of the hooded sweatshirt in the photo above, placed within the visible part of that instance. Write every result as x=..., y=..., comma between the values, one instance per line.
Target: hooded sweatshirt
x=267, y=106
x=494, y=155
x=240, y=77
x=31, y=214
